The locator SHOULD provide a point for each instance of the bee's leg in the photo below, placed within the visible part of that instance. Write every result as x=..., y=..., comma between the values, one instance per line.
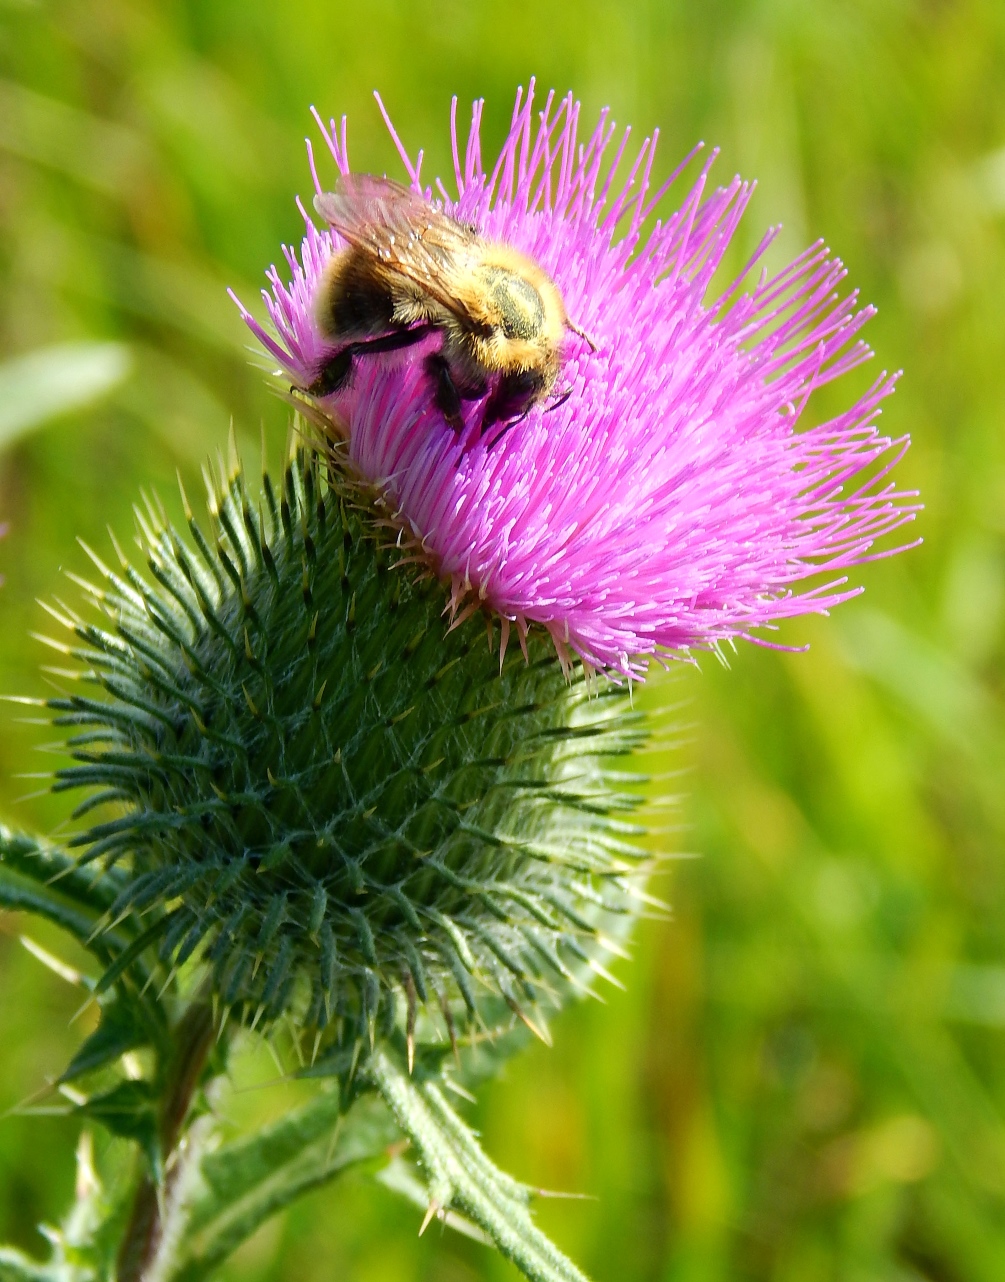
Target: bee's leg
x=513, y=398
x=446, y=394
x=333, y=375
x=505, y=428
x=392, y=342
x=559, y=400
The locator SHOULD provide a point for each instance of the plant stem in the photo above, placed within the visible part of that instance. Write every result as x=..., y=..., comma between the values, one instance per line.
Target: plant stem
x=193, y=1040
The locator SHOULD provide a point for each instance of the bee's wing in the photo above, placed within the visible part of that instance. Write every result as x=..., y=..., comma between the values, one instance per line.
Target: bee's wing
x=402, y=230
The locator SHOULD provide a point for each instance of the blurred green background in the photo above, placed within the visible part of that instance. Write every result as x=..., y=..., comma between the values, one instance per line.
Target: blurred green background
x=805, y=1079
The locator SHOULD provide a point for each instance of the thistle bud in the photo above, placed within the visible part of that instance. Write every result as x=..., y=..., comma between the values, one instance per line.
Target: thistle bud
x=327, y=794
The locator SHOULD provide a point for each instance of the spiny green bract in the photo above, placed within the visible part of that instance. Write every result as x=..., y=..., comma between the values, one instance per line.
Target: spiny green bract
x=327, y=794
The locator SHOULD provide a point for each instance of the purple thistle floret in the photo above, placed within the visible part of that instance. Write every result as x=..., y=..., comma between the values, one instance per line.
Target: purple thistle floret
x=669, y=502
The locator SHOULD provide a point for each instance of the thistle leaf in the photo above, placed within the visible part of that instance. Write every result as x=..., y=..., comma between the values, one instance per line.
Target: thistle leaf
x=45, y=863
x=237, y=1169
x=461, y=1178
x=22, y=893
x=120, y=1029
x=400, y=1178
x=243, y=1183
x=130, y=1111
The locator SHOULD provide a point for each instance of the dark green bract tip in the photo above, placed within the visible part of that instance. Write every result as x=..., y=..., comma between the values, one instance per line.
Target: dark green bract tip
x=333, y=801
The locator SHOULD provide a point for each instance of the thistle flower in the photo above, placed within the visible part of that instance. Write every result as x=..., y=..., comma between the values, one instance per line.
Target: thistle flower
x=669, y=502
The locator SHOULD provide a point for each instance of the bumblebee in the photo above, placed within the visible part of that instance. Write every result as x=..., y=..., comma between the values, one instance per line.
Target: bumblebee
x=409, y=271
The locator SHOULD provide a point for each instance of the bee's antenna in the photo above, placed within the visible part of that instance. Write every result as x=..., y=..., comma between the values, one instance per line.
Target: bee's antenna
x=490, y=445
x=582, y=334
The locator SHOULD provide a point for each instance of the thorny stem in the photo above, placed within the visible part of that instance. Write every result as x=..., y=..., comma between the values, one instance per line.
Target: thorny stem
x=193, y=1040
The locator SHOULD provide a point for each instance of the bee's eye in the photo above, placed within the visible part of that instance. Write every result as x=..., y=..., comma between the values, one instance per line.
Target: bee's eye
x=521, y=308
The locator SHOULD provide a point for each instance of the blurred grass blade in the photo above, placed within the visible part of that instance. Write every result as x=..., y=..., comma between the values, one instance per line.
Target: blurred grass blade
x=929, y=680
x=976, y=995
x=462, y=1178
x=177, y=291
x=50, y=381
x=15, y=1267
x=102, y=154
